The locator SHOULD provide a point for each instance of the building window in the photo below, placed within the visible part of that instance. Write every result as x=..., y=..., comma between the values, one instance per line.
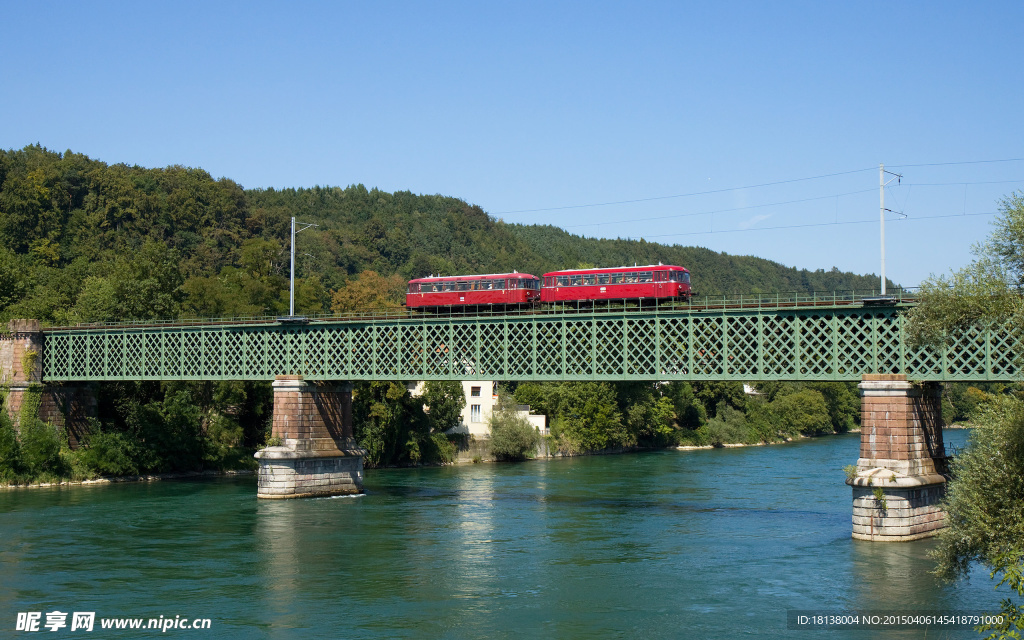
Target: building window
x=474, y=391
x=474, y=412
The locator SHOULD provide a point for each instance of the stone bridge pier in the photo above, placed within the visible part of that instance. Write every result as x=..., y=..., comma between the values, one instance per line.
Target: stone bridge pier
x=317, y=454
x=901, y=474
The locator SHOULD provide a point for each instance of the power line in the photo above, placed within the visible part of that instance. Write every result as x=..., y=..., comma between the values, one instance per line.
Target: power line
x=768, y=184
x=945, y=164
x=813, y=224
x=958, y=184
x=702, y=213
x=680, y=195
x=776, y=204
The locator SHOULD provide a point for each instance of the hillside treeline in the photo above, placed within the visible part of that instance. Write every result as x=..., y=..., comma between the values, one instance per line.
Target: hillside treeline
x=82, y=241
x=86, y=241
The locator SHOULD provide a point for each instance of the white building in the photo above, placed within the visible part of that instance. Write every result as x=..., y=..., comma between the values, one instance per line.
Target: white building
x=481, y=398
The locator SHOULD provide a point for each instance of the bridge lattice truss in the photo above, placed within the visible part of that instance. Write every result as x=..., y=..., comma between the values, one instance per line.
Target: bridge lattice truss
x=814, y=344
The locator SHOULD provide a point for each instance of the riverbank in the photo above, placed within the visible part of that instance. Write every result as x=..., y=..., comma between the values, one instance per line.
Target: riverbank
x=729, y=445
x=151, y=477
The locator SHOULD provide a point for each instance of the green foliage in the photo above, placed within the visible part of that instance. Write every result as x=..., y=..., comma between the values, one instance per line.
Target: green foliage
x=40, y=447
x=535, y=395
x=512, y=435
x=648, y=414
x=713, y=394
x=985, y=499
x=729, y=425
x=369, y=291
x=584, y=417
x=842, y=403
x=110, y=453
x=445, y=401
x=87, y=241
x=880, y=500
x=10, y=449
x=391, y=425
x=986, y=290
x=13, y=284
x=690, y=412
x=961, y=401
x=803, y=412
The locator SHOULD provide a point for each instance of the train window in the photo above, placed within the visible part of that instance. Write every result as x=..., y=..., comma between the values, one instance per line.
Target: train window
x=629, y=278
x=602, y=278
x=646, y=276
x=563, y=281
x=462, y=286
x=498, y=284
x=449, y=286
x=616, y=278
x=686, y=278
x=414, y=287
x=549, y=281
x=576, y=280
x=588, y=279
x=671, y=276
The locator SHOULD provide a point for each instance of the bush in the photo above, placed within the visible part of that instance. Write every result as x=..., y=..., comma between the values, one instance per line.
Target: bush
x=728, y=426
x=109, y=454
x=512, y=435
x=10, y=449
x=40, y=447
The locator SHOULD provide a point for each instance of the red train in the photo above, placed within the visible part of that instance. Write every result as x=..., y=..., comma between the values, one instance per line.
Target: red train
x=492, y=289
x=651, y=282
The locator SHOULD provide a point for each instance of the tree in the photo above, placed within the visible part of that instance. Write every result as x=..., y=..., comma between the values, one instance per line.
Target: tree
x=985, y=500
x=370, y=291
x=712, y=394
x=586, y=417
x=804, y=411
x=985, y=505
x=445, y=401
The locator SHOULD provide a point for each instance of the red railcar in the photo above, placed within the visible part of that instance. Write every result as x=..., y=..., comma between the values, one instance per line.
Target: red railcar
x=659, y=281
x=492, y=289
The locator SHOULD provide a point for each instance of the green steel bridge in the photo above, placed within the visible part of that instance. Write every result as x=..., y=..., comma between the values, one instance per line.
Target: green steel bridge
x=757, y=339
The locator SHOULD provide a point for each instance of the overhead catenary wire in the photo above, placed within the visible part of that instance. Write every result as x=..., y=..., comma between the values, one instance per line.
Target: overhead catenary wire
x=680, y=195
x=714, y=211
x=946, y=164
x=908, y=185
x=811, y=224
x=764, y=184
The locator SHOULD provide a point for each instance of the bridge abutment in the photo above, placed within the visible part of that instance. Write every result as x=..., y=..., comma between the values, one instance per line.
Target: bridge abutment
x=317, y=454
x=69, y=406
x=901, y=475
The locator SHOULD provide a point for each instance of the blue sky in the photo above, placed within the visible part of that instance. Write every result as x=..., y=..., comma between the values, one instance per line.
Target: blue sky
x=533, y=109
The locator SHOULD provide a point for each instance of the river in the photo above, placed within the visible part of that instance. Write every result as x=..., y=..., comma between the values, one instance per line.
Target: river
x=670, y=544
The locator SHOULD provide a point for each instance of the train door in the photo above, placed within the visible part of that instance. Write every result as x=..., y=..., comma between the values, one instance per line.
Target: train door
x=661, y=283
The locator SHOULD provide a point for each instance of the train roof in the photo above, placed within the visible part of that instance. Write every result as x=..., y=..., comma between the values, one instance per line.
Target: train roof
x=568, y=272
x=514, y=274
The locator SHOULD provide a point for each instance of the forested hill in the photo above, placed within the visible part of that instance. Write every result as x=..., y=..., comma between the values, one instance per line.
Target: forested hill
x=81, y=240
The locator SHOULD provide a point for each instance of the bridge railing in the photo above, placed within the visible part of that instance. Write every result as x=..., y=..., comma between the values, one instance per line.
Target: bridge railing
x=725, y=302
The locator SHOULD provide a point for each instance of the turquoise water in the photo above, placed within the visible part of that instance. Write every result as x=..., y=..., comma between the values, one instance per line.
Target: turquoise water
x=673, y=544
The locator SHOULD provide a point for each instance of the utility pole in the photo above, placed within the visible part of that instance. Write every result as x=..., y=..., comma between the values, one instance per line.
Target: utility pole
x=291, y=290
x=881, y=209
